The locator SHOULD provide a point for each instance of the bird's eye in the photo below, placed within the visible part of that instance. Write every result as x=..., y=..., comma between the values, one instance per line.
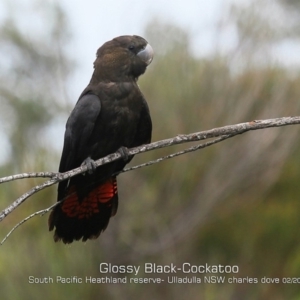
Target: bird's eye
x=131, y=47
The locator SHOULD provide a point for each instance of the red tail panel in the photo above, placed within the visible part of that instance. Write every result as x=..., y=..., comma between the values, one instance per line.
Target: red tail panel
x=84, y=217
x=90, y=204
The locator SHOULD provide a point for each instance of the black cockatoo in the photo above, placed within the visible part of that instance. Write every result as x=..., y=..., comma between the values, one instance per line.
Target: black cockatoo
x=111, y=114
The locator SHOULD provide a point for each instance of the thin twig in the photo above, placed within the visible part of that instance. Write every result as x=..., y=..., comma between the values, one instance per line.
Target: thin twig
x=28, y=175
x=41, y=212
x=191, y=149
x=21, y=199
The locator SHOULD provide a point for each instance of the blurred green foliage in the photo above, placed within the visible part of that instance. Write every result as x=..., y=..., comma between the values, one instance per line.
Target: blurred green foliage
x=235, y=203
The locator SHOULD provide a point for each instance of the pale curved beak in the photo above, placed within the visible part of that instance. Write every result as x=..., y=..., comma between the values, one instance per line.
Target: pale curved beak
x=146, y=54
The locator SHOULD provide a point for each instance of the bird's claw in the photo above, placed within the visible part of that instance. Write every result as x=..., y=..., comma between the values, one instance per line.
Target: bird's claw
x=90, y=164
x=124, y=152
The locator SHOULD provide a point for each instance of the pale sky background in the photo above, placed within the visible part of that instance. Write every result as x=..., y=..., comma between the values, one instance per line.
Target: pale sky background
x=93, y=22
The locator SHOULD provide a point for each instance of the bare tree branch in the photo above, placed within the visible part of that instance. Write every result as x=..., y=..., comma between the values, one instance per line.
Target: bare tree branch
x=46, y=210
x=220, y=133
x=27, y=175
x=40, y=212
x=179, y=139
x=191, y=149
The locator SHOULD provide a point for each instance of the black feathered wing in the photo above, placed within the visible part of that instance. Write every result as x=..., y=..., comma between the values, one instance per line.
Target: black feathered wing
x=79, y=128
x=98, y=125
x=86, y=208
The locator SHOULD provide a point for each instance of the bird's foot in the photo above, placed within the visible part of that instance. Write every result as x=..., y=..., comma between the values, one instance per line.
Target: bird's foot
x=90, y=164
x=124, y=153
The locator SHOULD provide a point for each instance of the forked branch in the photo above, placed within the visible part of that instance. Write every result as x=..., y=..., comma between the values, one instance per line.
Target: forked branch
x=217, y=135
